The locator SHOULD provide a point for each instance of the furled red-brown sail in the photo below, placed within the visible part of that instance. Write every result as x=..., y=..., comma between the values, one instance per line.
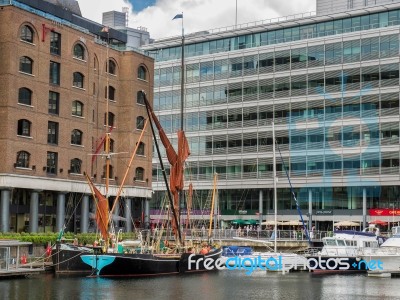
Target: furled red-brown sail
x=176, y=161
x=101, y=209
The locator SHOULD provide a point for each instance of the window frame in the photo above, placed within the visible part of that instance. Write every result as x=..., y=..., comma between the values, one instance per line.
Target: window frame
x=142, y=73
x=78, y=51
x=23, y=159
x=24, y=127
x=76, y=107
x=55, y=43
x=26, y=65
x=78, y=80
x=26, y=34
x=25, y=92
x=76, y=137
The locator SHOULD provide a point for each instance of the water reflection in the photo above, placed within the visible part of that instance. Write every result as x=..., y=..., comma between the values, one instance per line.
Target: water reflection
x=218, y=285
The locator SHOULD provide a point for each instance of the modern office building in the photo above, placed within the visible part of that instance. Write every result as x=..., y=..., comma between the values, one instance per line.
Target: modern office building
x=63, y=79
x=329, y=82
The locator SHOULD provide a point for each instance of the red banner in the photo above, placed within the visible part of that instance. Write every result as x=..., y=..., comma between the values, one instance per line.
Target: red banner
x=384, y=212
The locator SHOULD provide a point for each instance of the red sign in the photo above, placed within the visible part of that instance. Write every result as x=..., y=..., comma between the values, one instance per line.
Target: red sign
x=384, y=212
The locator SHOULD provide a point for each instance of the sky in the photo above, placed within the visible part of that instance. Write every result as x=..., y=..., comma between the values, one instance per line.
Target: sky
x=199, y=15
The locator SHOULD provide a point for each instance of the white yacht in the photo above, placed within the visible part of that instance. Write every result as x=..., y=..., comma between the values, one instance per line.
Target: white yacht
x=340, y=252
x=388, y=254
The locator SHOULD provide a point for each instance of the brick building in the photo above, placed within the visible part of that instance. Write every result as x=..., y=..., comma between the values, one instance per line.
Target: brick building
x=53, y=103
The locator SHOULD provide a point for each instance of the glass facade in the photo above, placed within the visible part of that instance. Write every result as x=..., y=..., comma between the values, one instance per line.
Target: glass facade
x=289, y=34
x=334, y=103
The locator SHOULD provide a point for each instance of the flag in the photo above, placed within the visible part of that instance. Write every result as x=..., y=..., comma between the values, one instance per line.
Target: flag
x=105, y=29
x=178, y=16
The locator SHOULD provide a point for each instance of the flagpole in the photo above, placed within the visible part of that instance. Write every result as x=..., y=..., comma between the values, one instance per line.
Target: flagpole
x=182, y=74
x=181, y=194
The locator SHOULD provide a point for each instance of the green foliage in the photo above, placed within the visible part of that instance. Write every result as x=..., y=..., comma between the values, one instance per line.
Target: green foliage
x=44, y=238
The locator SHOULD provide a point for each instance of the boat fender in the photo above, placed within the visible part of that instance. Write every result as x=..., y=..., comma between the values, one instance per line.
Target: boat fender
x=23, y=259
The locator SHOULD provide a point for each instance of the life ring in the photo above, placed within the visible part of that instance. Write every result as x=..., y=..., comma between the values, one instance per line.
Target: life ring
x=166, y=243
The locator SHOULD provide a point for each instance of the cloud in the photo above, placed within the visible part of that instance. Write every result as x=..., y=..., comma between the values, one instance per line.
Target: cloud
x=199, y=15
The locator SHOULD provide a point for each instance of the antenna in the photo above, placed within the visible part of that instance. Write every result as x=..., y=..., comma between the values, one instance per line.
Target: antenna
x=125, y=10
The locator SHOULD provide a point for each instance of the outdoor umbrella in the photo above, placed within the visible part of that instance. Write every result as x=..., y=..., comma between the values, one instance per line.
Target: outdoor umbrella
x=346, y=223
x=292, y=223
x=251, y=222
x=238, y=222
x=378, y=222
x=271, y=223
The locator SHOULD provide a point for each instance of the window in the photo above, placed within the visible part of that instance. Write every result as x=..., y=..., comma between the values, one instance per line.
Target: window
x=140, y=98
x=139, y=174
x=55, y=43
x=52, y=133
x=52, y=158
x=142, y=73
x=25, y=65
x=75, y=166
x=139, y=122
x=24, y=127
x=111, y=118
x=78, y=80
x=111, y=146
x=140, y=150
x=54, y=73
x=111, y=92
x=54, y=99
x=77, y=108
x=79, y=51
x=110, y=171
x=25, y=96
x=112, y=68
x=26, y=34
x=22, y=159
x=76, y=137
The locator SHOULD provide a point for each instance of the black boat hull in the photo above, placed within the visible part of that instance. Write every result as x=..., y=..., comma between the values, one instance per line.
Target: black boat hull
x=143, y=265
x=67, y=260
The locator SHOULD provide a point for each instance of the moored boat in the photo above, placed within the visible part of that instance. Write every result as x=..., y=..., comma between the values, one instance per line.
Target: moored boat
x=387, y=255
x=339, y=252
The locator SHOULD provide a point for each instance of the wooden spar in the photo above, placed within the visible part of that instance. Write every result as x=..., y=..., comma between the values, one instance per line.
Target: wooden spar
x=171, y=202
x=129, y=166
x=212, y=204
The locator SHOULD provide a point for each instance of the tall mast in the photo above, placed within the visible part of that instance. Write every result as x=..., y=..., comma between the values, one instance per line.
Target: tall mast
x=274, y=179
x=181, y=194
x=107, y=137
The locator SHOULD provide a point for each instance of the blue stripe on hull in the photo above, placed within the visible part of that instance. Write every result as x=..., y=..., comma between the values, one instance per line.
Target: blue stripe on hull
x=98, y=262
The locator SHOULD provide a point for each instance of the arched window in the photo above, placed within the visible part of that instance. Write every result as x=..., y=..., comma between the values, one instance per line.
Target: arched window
x=25, y=96
x=111, y=146
x=139, y=174
x=139, y=122
x=112, y=68
x=140, y=98
x=26, y=34
x=75, y=166
x=79, y=51
x=110, y=170
x=78, y=80
x=25, y=64
x=111, y=119
x=142, y=73
x=76, y=137
x=77, y=108
x=22, y=159
x=140, y=150
x=24, y=127
x=111, y=93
